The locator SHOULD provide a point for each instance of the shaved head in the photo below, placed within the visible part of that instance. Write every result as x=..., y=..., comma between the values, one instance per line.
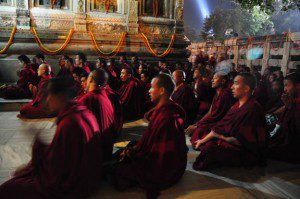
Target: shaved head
x=178, y=76
x=44, y=69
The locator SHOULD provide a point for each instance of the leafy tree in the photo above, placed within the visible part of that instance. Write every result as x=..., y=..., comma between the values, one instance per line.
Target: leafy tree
x=242, y=21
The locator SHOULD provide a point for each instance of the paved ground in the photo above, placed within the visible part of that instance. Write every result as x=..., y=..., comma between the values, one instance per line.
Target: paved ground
x=277, y=180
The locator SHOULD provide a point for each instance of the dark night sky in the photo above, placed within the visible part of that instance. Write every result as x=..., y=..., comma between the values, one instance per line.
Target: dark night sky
x=195, y=9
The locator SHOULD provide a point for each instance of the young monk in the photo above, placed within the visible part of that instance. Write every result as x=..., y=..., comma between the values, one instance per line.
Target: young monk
x=285, y=144
x=36, y=108
x=97, y=101
x=130, y=95
x=239, y=139
x=146, y=85
x=159, y=158
x=71, y=165
x=184, y=96
x=26, y=76
x=81, y=62
x=222, y=102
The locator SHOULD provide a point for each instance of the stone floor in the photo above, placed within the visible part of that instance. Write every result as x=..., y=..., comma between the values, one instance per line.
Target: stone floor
x=277, y=180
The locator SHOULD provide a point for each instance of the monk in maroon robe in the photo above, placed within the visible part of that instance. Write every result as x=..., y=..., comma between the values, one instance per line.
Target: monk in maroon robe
x=184, y=96
x=284, y=144
x=239, y=139
x=203, y=90
x=159, y=158
x=221, y=103
x=97, y=101
x=71, y=165
x=118, y=113
x=26, y=75
x=130, y=95
x=81, y=62
x=146, y=85
x=36, y=108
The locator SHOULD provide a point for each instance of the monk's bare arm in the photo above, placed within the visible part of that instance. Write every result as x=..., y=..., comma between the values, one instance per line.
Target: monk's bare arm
x=207, y=138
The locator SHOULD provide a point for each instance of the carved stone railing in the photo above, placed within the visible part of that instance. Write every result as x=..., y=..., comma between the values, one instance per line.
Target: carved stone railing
x=277, y=50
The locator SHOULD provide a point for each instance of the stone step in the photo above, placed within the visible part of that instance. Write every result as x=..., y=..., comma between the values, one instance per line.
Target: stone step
x=12, y=105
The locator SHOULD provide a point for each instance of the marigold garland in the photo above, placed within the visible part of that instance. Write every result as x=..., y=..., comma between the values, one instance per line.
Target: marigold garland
x=114, y=52
x=45, y=49
x=149, y=48
x=3, y=50
x=52, y=3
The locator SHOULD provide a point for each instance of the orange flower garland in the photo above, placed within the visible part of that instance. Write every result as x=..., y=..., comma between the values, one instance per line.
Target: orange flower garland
x=149, y=48
x=52, y=3
x=114, y=52
x=3, y=50
x=45, y=49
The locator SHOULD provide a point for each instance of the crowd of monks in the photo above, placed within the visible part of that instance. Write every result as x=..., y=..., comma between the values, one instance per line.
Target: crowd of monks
x=234, y=115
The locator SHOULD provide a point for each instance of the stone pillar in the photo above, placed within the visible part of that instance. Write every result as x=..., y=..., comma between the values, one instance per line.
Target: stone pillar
x=178, y=28
x=132, y=25
x=266, y=56
x=80, y=17
x=236, y=55
x=285, y=57
x=249, y=61
x=22, y=12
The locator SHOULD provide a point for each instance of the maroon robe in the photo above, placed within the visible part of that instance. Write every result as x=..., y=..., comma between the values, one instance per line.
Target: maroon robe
x=159, y=158
x=219, y=107
x=260, y=93
x=113, y=80
x=285, y=144
x=130, y=98
x=147, y=99
x=247, y=125
x=36, y=108
x=64, y=73
x=204, y=95
x=100, y=105
x=26, y=76
x=69, y=167
x=118, y=117
x=185, y=97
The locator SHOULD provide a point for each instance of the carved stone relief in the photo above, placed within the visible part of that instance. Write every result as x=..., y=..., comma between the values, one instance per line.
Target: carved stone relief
x=105, y=27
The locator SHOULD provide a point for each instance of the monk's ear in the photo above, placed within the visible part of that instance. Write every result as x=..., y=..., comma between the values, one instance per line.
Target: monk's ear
x=129, y=75
x=162, y=90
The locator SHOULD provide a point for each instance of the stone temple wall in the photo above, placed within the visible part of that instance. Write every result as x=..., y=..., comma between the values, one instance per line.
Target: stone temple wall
x=53, y=25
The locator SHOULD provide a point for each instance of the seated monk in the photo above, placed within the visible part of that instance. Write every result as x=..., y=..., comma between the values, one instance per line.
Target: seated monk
x=130, y=95
x=285, y=144
x=146, y=85
x=71, y=165
x=66, y=66
x=26, y=75
x=158, y=160
x=184, y=96
x=77, y=74
x=239, y=139
x=118, y=112
x=113, y=77
x=275, y=94
x=97, y=101
x=222, y=102
x=203, y=91
x=36, y=108
x=81, y=62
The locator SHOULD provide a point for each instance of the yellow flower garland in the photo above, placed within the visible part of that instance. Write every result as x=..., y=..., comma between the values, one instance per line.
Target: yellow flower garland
x=114, y=52
x=166, y=52
x=3, y=50
x=45, y=49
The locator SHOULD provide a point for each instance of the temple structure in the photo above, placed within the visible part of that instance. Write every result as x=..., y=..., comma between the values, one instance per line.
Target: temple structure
x=54, y=21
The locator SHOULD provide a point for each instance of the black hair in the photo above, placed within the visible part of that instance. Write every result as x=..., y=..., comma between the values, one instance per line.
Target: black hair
x=293, y=77
x=249, y=80
x=82, y=57
x=166, y=81
x=24, y=59
x=60, y=86
x=100, y=76
x=40, y=56
x=79, y=72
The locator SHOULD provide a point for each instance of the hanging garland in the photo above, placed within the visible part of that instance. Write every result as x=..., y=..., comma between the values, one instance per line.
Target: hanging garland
x=107, y=5
x=3, y=50
x=114, y=52
x=155, y=7
x=149, y=48
x=45, y=49
x=285, y=36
